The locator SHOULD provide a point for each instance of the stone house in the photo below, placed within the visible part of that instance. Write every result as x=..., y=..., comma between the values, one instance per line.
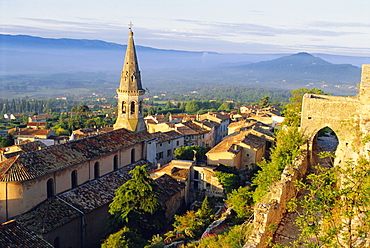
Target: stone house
x=166, y=143
x=24, y=147
x=171, y=193
x=198, y=179
x=243, y=149
x=39, y=118
x=178, y=169
x=37, y=125
x=204, y=182
x=43, y=135
x=223, y=119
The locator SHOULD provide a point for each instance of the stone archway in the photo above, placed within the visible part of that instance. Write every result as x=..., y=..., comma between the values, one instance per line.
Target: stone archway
x=324, y=140
x=340, y=114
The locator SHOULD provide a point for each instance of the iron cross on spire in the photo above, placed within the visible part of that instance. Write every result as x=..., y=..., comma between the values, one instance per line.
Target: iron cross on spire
x=130, y=25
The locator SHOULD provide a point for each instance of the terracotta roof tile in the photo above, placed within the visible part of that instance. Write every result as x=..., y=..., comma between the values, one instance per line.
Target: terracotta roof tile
x=13, y=234
x=198, y=129
x=168, y=187
x=254, y=141
x=185, y=130
x=48, y=215
x=166, y=136
x=58, y=210
x=32, y=146
x=42, y=162
x=32, y=132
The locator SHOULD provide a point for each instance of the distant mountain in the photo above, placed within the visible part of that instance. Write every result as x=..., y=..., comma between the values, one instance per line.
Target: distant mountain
x=293, y=71
x=22, y=54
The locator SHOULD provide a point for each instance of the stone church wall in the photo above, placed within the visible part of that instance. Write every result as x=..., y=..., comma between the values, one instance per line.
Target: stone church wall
x=268, y=215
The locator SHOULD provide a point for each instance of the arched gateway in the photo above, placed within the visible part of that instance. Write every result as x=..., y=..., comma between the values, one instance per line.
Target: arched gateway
x=348, y=117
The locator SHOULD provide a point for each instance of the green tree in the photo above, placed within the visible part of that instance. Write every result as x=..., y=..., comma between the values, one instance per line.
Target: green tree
x=287, y=148
x=224, y=107
x=228, y=180
x=192, y=106
x=264, y=102
x=168, y=105
x=292, y=111
x=241, y=201
x=187, y=152
x=4, y=142
x=136, y=203
x=336, y=209
x=124, y=239
x=205, y=210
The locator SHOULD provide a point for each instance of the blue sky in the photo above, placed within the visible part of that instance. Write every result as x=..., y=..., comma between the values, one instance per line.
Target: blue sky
x=242, y=26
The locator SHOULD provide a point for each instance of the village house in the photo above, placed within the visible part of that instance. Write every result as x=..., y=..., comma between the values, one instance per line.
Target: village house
x=23, y=147
x=223, y=119
x=12, y=116
x=39, y=118
x=201, y=133
x=37, y=125
x=243, y=149
x=46, y=136
x=199, y=179
x=166, y=143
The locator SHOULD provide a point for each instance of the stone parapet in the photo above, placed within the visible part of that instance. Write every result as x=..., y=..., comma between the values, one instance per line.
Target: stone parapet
x=267, y=215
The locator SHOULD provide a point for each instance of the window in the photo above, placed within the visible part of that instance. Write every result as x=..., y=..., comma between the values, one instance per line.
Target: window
x=196, y=174
x=56, y=242
x=133, y=156
x=96, y=170
x=123, y=107
x=50, y=188
x=132, y=107
x=115, y=162
x=169, y=153
x=196, y=185
x=159, y=155
x=74, y=181
x=177, y=143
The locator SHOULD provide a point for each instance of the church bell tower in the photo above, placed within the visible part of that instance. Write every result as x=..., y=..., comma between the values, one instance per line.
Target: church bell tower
x=130, y=92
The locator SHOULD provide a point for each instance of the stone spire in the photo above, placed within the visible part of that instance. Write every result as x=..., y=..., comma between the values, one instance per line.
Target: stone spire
x=130, y=92
x=130, y=75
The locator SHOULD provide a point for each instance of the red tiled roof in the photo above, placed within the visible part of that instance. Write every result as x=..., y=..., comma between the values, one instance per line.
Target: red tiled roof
x=254, y=141
x=195, y=127
x=13, y=234
x=185, y=130
x=35, y=124
x=61, y=209
x=166, y=136
x=42, y=162
x=168, y=187
x=32, y=132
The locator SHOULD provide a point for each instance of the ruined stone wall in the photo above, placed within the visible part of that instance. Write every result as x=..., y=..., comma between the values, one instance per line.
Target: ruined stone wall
x=267, y=215
x=348, y=117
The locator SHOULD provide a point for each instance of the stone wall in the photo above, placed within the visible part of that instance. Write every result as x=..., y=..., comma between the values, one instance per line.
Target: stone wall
x=268, y=214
